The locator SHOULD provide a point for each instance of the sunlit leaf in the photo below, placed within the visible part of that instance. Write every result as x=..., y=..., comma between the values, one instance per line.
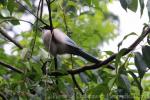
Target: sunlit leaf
x=111, y=82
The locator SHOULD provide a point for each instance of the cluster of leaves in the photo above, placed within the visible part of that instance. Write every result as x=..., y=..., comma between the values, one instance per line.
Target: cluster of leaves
x=89, y=23
x=133, y=5
x=86, y=20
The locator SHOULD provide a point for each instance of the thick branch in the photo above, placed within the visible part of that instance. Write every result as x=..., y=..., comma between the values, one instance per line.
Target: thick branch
x=105, y=62
x=10, y=39
x=11, y=67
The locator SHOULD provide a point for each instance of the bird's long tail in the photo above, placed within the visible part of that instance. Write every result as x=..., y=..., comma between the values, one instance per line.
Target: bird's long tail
x=90, y=58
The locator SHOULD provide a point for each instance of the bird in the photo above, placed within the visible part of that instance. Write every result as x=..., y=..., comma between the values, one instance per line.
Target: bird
x=58, y=43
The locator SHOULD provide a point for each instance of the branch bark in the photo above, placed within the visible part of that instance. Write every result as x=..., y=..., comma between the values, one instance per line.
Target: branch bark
x=10, y=39
x=145, y=32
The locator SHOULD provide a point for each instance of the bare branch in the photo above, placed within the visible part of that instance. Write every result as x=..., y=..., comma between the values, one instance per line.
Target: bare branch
x=10, y=39
x=105, y=62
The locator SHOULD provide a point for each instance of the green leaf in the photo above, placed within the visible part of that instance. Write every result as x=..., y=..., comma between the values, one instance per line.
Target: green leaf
x=111, y=82
x=136, y=80
x=125, y=37
x=12, y=20
x=24, y=54
x=142, y=6
x=15, y=22
x=89, y=2
x=132, y=5
x=96, y=3
x=148, y=39
x=84, y=77
x=28, y=2
x=109, y=52
x=124, y=4
x=148, y=8
x=140, y=64
x=118, y=57
x=38, y=71
x=123, y=82
x=99, y=89
x=11, y=6
x=3, y=2
x=146, y=55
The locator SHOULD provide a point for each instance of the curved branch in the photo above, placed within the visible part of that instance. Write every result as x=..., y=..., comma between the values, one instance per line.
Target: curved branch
x=111, y=58
x=10, y=39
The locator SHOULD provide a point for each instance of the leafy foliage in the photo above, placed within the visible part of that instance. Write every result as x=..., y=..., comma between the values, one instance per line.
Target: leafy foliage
x=88, y=23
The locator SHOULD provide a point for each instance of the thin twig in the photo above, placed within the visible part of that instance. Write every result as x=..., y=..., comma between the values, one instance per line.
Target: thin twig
x=10, y=39
x=76, y=84
x=56, y=68
x=50, y=16
x=35, y=35
x=11, y=67
x=145, y=32
x=31, y=13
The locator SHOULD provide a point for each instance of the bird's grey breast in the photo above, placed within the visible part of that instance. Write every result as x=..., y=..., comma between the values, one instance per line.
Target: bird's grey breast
x=49, y=43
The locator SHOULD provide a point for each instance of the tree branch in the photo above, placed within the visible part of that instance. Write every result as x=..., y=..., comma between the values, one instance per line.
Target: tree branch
x=105, y=62
x=10, y=39
x=11, y=67
x=50, y=16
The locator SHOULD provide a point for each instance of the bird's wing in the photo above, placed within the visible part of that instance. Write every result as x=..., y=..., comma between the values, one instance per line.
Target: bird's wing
x=63, y=38
x=70, y=42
